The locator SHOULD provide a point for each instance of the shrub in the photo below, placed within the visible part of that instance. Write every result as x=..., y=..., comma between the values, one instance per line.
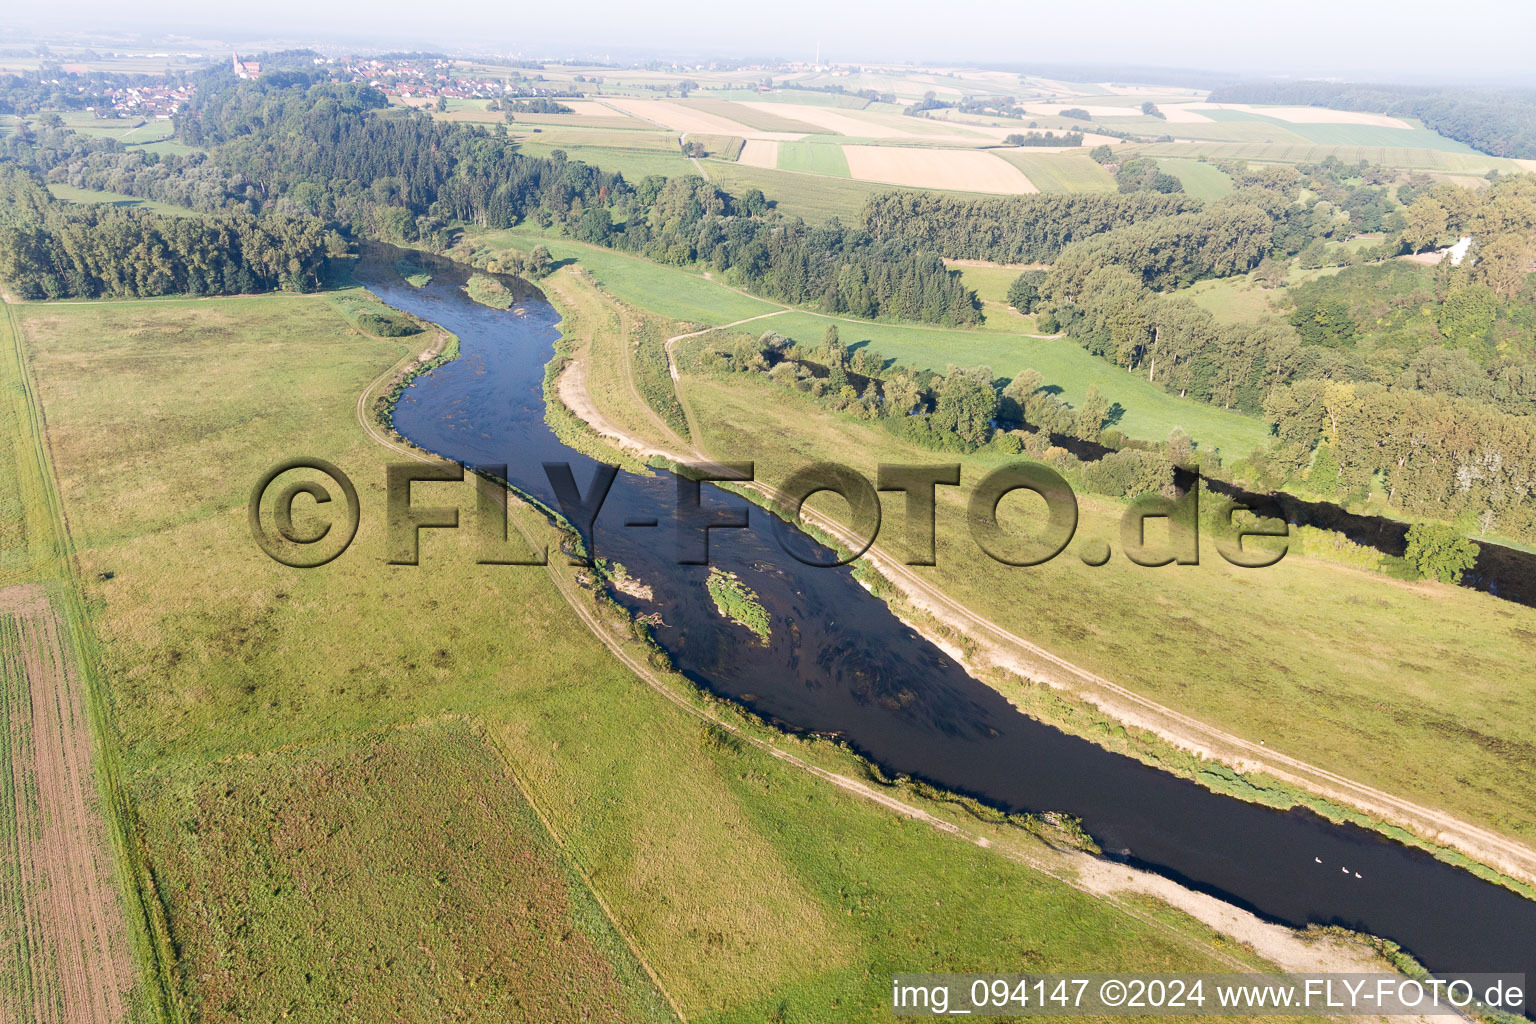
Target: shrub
x=1438, y=552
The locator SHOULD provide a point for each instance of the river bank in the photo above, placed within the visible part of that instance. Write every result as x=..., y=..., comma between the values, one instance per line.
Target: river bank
x=1154, y=818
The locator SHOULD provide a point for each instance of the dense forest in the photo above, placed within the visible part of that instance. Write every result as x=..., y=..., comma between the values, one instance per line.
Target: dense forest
x=1015, y=229
x=1499, y=123
x=52, y=250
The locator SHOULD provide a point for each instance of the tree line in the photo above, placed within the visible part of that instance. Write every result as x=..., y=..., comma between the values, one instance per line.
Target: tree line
x=1009, y=229
x=52, y=250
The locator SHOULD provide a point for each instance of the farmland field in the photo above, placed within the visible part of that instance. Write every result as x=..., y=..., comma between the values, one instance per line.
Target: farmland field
x=957, y=169
x=1201, y=180
x=634, y=163
x=1059, y=172
x=1148, y=412
x=68, y=957
x=815, y=158
x=756, y=117
x=816, y=198
x=1302, y=152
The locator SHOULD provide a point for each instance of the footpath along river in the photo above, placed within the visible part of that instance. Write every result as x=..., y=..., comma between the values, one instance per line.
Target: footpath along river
x=839, y=661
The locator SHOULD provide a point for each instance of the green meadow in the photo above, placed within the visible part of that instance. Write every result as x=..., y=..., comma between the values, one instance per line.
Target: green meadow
x=1060, y=172
x=1147, y=412
x=813, y=158
x=73, y=194
x=815, y=198
x=1200, y=179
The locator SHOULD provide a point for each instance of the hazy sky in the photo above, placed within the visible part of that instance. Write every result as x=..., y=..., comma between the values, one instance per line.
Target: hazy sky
x=1401, y=40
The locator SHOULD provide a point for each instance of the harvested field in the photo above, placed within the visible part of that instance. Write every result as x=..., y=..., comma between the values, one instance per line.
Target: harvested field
x=752, y=117
x=759, y=153
x=1308, y=115
x=679, y=118
x=68, y=959
x=1181, y=113
x=955, y=169
x=721, y=147
x=828, y=119
x=1055, y=107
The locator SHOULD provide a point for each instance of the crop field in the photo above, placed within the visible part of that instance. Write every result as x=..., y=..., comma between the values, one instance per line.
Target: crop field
x=720, y=147
x=756, y=117
x=679, y=116
x=648, y=139
x=1202, y=180
x=328, y=760
x=67, y=956
x=956, y=169
x=67, y=948
x=1148, y=412
x=1302, y=115
x=1415, y=159
x=759, y=153
x=812, y=157
x=1364, y=655
x=634, y=164
x=1059, y=172
x=151, y=135
x=817, y=198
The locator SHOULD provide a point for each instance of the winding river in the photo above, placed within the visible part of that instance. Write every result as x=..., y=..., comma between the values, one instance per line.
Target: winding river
x=839, y=661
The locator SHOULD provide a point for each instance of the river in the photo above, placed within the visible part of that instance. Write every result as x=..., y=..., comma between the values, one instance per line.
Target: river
x=839, y=661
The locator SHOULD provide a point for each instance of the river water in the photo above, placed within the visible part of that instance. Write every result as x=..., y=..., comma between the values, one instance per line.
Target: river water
x=840, y=662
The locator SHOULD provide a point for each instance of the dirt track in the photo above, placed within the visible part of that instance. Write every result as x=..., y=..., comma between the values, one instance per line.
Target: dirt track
x=79, y=968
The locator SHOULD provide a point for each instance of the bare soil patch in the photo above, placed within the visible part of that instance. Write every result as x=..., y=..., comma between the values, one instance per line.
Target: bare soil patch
x=71, y=960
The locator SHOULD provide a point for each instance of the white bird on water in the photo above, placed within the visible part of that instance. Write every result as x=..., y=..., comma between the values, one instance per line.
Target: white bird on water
x=1345, y=870
x=1318, y=859
x=1357, y=874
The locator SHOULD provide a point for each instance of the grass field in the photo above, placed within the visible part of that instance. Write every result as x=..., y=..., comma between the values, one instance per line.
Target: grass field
x=1059, y=172
x=686, y=296
x=1201, y=180
x=150, y=135
x=322, y=822
x=813, y=158
x=990, y=281
x=633, y=163
x=1431, y=674
x=252, y=855
x=71, y=194
x=673, y=293
x=816, y=198
x=1147, y=412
